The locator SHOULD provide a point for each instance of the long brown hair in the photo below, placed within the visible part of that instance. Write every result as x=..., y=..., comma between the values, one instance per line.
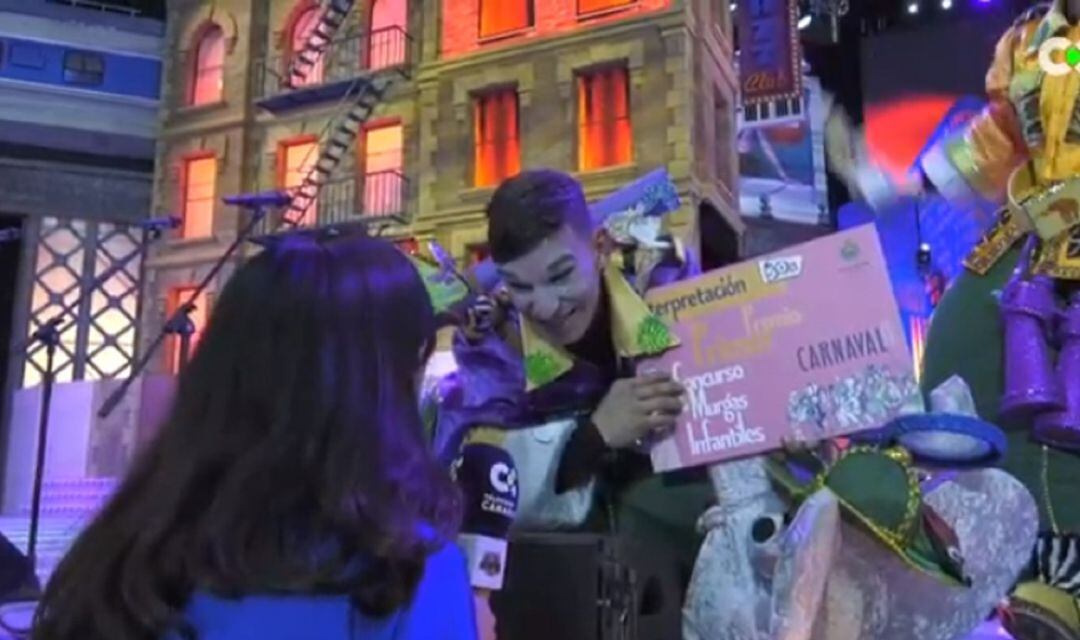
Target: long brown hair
x=292, y=461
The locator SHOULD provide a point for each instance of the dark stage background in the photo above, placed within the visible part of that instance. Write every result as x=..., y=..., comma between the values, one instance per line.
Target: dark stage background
x=911, y=77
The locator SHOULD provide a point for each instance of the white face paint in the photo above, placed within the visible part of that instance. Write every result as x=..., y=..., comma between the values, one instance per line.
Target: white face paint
x=557, y=285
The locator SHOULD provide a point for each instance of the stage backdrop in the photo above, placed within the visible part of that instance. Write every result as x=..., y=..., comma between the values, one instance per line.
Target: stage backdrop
x=782, y=164
x=911, y=78
x=912, y=98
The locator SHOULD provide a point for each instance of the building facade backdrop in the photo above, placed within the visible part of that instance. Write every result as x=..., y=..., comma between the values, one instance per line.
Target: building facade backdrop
x=270, y=95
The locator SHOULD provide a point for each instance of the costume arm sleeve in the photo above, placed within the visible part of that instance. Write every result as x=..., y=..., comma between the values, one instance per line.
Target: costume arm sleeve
x=977, y=162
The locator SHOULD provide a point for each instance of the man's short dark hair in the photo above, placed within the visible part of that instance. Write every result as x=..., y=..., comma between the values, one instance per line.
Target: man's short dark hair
x=531, y=207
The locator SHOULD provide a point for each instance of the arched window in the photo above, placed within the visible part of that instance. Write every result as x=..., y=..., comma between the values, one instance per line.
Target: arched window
x=209, y=72
x=386, y=47
x=304, y=74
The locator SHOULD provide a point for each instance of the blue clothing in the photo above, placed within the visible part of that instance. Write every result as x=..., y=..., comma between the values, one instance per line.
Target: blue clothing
x=442, y=609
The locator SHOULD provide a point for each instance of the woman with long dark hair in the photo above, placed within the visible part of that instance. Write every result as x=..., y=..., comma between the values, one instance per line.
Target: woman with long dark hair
x=289, y=493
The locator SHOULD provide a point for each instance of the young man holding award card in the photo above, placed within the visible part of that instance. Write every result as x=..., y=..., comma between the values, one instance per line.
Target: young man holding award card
x=553, y=380
x=580, y=370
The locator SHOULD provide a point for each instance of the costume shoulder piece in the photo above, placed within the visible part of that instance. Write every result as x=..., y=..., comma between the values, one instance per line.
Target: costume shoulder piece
x=632, y=219
x=1031, y=14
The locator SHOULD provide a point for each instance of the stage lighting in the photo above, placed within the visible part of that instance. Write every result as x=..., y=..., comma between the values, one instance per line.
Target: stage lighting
x=923, y=256
x=913, y=8
x=946, y=4
x=805, y=21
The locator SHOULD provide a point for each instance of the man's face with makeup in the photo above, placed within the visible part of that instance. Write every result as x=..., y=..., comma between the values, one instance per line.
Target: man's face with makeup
x=557, y=285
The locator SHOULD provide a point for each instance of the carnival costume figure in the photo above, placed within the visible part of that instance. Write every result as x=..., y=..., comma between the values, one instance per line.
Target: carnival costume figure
x=519, y=391
x=862, y=542
x=1010, y=325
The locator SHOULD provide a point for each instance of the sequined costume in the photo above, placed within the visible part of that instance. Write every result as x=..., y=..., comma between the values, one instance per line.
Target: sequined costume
x=1023, y=151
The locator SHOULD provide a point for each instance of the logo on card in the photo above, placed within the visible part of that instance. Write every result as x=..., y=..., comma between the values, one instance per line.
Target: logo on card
x=779, y=269
x=850, y=251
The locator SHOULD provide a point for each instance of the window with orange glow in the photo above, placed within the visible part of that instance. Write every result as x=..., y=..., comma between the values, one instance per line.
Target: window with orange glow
x=605, y=138
x=386, y=46
x=198, y=316
x=591, y=6
x=209, y=72
x=199, y=184
x=499, y=17
x=478, y=253
x=383, y=180
x=296, y=160
x=498, y=151
x=301, y=32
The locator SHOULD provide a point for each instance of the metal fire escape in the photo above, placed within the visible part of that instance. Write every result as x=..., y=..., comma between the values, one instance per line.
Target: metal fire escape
x=357, y=91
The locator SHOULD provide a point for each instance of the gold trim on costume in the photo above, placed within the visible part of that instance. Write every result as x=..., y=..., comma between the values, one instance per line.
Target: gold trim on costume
x=997, y=240
x=1060, y=257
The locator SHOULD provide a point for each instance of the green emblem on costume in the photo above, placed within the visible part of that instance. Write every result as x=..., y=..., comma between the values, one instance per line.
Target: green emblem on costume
x=541, y=368
x=653, y=336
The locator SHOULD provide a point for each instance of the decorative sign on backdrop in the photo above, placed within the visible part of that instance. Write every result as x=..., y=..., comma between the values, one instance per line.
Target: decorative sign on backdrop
x=782, y=163
x=770, y=62
x=804, y=344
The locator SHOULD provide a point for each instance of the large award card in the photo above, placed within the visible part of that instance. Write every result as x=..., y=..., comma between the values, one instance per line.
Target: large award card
x=803, y=344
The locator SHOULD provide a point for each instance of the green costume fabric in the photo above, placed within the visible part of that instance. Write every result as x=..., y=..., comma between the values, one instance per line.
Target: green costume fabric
x=966, y=338
x=660, y=512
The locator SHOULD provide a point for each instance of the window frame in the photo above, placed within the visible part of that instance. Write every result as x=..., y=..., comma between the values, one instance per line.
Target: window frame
x=290, y=37
x=603, y=11
x=194, y=67
x=177, y=294
x=365, y=171
x=530, y=23
x=374, y=62
x=185, y=181
x=26, y=48
x=82, y=76
x=282, y=169
x=581, y=76
x=477, y=100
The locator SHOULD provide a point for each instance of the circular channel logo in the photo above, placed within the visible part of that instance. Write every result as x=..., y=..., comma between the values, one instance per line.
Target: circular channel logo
x=1059, y=56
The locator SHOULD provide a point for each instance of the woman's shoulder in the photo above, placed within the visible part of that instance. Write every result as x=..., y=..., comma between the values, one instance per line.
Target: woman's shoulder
x=447, y=560
x=443, y=606
x=438, y=601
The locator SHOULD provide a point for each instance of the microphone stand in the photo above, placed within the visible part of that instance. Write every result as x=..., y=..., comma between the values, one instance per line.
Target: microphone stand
x=179, y=323
x=48, y=335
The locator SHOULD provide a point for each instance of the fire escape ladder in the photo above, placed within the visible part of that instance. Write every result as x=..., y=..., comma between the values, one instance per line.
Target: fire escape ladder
x=334, y=143
x=331, y=20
